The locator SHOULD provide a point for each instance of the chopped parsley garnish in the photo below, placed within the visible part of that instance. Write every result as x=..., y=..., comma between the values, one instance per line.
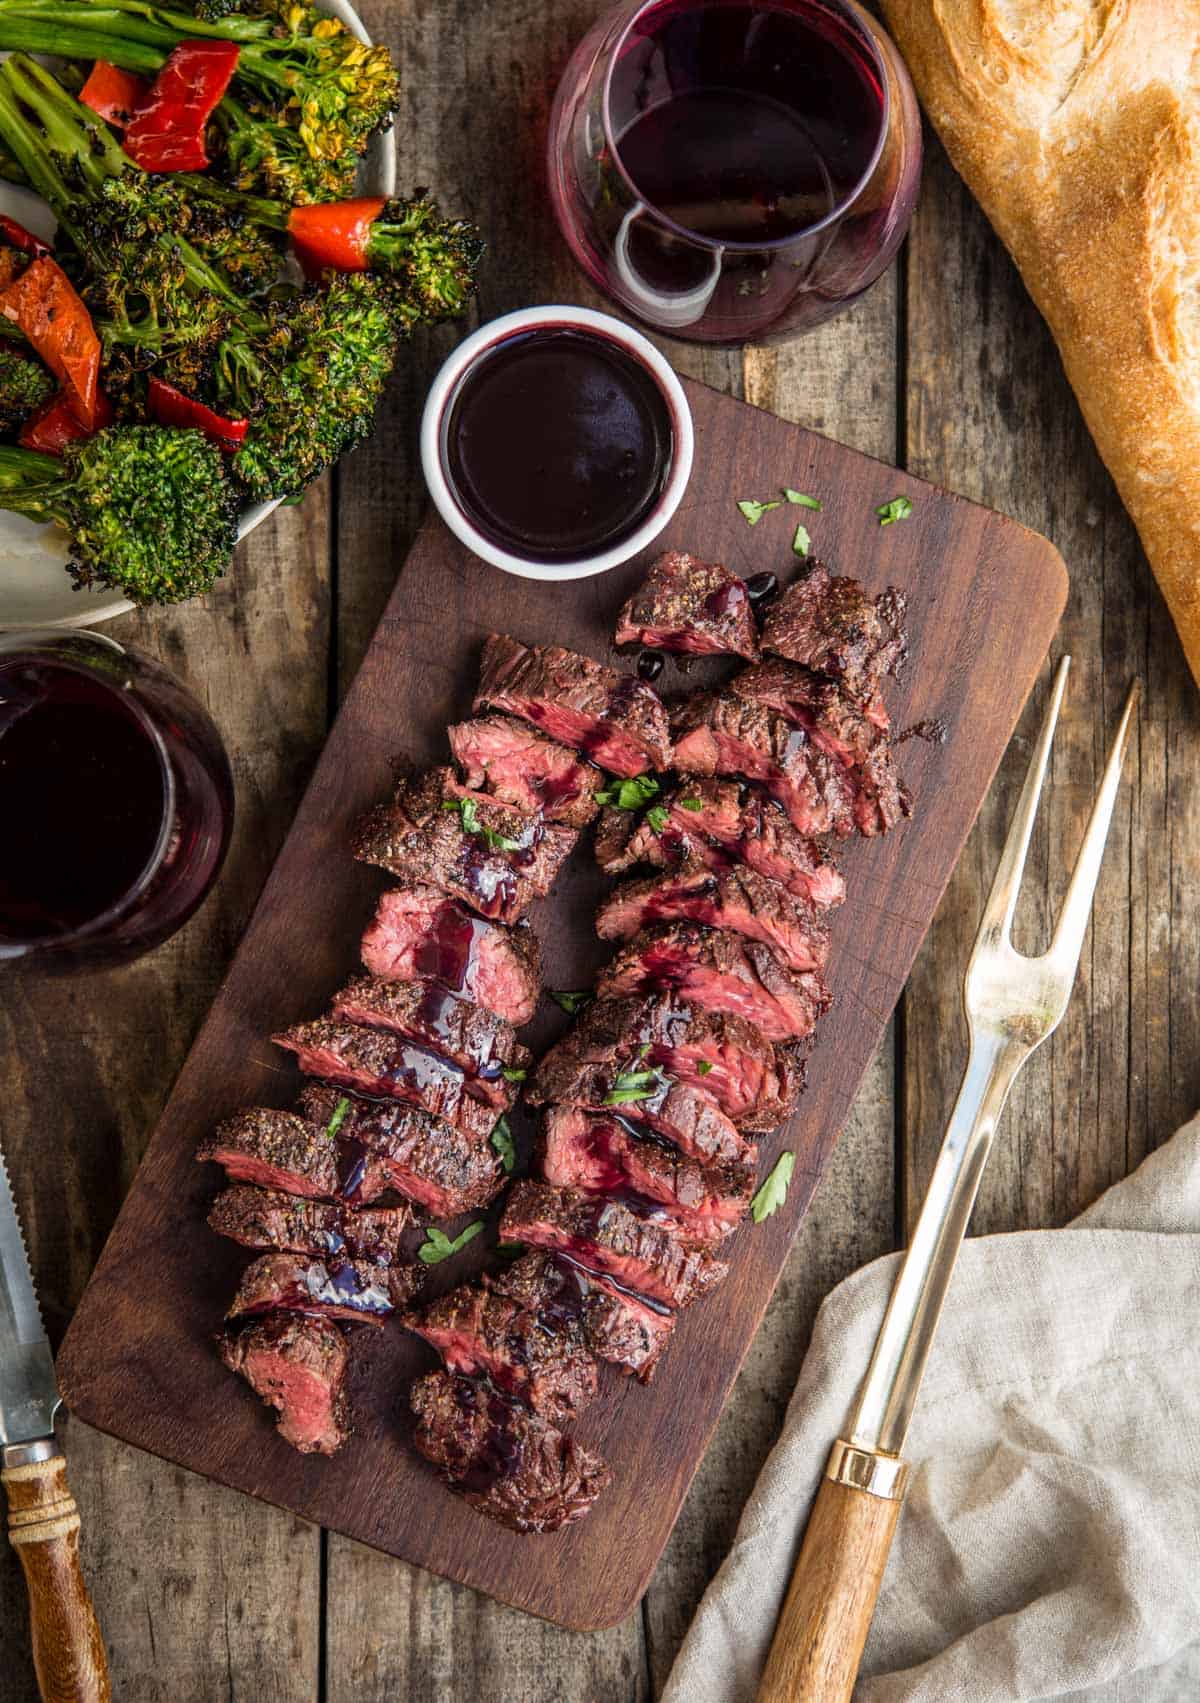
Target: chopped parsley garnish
x=658, y=816
x=631, y=1085
x=437, y=1246
x=511, y=1075
x=502, y=1141
x=752, y=512
x=704, y=1065
x=773, y=1192
x=691, y=804
x=629, y=794
x=898, y=509
x=469, y=813
x=801, y=542
x=339, y=1117
x=572, y=1000
x=805, y=502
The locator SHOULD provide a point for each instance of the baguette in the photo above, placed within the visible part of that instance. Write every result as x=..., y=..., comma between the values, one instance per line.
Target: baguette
x=1076, y=125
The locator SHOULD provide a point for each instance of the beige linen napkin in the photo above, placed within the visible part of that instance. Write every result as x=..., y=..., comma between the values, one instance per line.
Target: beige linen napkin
x=1050, y=1543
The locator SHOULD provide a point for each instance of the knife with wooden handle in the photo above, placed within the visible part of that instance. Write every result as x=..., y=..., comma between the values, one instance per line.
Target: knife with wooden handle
x=43, y=1521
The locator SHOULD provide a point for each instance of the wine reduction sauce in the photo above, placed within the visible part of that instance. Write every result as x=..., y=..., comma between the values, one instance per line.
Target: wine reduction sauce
x=558, y=444
x=82, y=798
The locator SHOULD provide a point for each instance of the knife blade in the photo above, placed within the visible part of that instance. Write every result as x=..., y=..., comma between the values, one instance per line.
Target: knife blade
x=43, y=1521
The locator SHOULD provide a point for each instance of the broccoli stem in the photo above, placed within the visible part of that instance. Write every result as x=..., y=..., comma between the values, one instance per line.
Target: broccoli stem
x=31, y=483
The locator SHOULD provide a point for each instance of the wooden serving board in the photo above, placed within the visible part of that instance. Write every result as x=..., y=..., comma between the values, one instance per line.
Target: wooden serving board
x=985, y=598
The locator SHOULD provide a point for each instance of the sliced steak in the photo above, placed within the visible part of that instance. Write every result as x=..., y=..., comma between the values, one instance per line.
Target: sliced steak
x=718, y=971
x=265, y=1218
x=490, y=856
x=521, y=1350
x=612, y=1155
x=419, y=933
x=520, y=766
x=622, y=1329
x=335, y=1288
x=686, y=605
x=737, y=899
x=830, y=625
x=501, y=1458
x=478, y=1042
x=298, y=1366
x=386, y=1066
x=605, y=1236
x=716, y=734
x=275, y=1150
x=840, y=726
x=718, y=823
x=441, y=1167
x=613, y=718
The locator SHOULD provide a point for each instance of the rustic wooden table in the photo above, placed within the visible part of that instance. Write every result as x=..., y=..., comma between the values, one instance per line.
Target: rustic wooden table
x=945, y=369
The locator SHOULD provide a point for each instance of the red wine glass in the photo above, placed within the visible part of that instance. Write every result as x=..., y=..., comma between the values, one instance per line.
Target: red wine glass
x=734, y=170
x=116, y=798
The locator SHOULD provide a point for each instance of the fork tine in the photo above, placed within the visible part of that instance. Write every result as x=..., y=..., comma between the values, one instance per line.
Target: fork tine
x=1077, y=907
x=1002, y=900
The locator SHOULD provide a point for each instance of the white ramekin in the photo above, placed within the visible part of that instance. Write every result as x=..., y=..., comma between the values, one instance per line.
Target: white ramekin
x=445, y=388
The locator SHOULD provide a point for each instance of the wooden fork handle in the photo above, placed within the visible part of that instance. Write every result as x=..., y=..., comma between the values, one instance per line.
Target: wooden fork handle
x=43, y=1528
x=827, y=1612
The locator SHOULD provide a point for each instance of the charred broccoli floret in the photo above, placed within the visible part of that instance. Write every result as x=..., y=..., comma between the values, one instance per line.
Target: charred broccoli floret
x=24, y=385
x=150, y=510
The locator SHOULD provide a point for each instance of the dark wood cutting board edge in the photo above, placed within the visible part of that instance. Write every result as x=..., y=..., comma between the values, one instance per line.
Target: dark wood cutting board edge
x=985, y=597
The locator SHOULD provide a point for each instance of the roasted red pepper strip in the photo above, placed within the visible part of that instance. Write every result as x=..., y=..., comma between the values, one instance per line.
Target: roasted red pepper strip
x=335, y=233
x=44, y=304
x=113, y=93
x=170, y=407
x=52, y=426
x=20, y=238
x=167, y=130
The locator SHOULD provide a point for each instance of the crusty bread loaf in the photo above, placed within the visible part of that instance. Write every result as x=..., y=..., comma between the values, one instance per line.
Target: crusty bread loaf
x=1076, y=124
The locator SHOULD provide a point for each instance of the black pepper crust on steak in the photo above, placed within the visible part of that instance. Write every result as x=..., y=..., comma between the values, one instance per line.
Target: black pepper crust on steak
x=268, y=1218
x=692, y=607
x=829, y=624
x=419, y=932
x=276, y=1150
x=471, y=1037
x=615, y=1326
x=736, y=899
x=333, y=1288
x=520, y=766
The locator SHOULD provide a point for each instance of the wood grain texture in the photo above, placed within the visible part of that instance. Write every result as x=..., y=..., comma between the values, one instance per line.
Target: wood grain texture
x=148, y=1372
x=43, y=1527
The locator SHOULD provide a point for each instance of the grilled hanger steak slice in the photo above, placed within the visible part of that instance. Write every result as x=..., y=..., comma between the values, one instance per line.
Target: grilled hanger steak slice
x=265, y=1218
x=443, y=1168
x=613, y=718
x=276, y=1150
x=522, y=1351
x=476, y=1040
x=718, y=971
x=419, y=933
x=716, y=734
x=617, y=1327
x=298, y=1366
x=612, y=1155
x=605, y=1236
x=719, y=823
x=686, y=605
x=335, y=1288
x=737, y=899
x=486, y=854
x=501, y=1458
x=523, y=768
x=830, y=625
x=374, y=1062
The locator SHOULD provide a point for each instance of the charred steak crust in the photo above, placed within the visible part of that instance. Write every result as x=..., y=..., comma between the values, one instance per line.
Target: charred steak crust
x=333, y=1288
x=446, y=1169
x=740, y=900
x=829, y=624
x=298, y=1366
x=615, y=1326
x=613, y=718
x=276, y=1150
x=686, y=605
x=418, y=933
x=605, y=1236
x=268, y=1218
x=471, y=1037
x=502, y=1458
x=520, y=766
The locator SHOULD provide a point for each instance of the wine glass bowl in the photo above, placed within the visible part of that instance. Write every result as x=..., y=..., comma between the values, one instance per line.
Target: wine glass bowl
x=734, y=170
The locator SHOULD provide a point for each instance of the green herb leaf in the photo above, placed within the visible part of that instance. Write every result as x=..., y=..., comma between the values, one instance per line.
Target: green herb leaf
x=631, y=1085
x=804, y=501
x=572, y=1001
x=502, y=1141
x=703, y=1066
x=752, y=512
x=690, y=803
x=437, y=1246
x=773, y=1192
x=469, y=812
x=339, y=1117
x=658, y=816
x=629, y=794
x=801, y=542
x=898, y=509
x=511, y=1075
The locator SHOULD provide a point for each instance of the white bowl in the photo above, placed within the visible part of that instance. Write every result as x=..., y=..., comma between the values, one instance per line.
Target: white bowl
x=473, y=349
x=35, y=588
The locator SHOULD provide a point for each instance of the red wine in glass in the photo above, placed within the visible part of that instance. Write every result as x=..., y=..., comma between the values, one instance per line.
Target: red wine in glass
x=731, y=170
x=116, y=800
